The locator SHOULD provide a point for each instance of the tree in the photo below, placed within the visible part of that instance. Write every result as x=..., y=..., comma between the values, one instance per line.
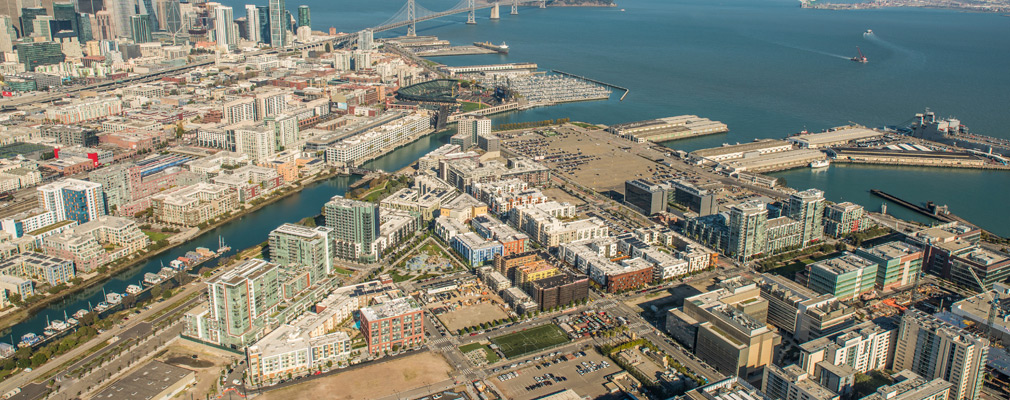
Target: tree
x=14, y=298
x=166, y=294
x=156, y=290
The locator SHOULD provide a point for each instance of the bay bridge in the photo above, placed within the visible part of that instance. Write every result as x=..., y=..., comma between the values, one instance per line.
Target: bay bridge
x=407, y=16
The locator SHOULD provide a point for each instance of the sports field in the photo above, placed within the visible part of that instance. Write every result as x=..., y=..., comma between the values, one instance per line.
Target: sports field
x=531, y=340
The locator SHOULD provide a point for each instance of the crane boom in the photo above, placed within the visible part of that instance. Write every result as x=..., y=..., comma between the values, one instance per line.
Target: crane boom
x=992, y=301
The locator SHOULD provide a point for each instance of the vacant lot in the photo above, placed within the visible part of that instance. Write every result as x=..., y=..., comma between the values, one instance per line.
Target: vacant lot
x=471, y=316
x=371, y=382
x=530, y=340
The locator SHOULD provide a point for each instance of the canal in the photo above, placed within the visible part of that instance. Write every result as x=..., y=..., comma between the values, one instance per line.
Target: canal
x=241, y=233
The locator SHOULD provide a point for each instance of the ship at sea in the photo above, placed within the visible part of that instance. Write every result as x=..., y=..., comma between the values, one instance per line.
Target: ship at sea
x=951, y=131
x=502, y=49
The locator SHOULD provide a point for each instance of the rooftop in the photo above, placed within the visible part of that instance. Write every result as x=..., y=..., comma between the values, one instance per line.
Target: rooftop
x=390, y=309
x=146, y=382
x=843, y=264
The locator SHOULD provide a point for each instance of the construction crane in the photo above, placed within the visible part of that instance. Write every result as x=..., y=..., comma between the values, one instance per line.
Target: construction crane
x=994, y=304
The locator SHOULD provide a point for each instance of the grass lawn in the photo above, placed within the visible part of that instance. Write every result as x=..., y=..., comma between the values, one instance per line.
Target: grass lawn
x=400, y=278
x=342, y=270
x=488, y=353
x=156, y=236
x=530, y=340
x=470, y=106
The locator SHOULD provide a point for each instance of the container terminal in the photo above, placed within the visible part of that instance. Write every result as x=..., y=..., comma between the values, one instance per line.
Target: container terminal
x=667, y=129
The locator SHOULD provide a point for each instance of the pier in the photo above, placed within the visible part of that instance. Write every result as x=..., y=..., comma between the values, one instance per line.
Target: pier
x=626, y=91
x=914, y=207
x=455, y=51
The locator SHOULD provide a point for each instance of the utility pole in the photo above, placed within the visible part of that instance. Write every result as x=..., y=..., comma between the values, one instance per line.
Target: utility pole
x=412, y=17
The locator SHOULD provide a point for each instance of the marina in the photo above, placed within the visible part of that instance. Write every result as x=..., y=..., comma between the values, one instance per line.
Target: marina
x=546, y=89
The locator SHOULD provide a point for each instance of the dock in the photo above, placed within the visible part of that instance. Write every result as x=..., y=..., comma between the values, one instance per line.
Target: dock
x=626, y=91
x=904, y=157
x=455, y=51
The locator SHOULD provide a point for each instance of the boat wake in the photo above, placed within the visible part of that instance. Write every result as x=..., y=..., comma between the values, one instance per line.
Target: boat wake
x=807, y=49
x=912, y=55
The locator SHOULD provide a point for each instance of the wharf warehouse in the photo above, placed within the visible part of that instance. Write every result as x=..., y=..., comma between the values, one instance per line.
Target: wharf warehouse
x=666, y=129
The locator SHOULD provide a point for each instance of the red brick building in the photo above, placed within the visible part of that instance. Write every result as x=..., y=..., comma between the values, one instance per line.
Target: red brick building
x=393, y=325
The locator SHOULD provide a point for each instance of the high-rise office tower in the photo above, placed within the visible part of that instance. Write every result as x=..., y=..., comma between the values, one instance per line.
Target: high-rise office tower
x=34, y=54
x=121, y=11
x=147, y=7
x=808, y=208
x=934, y=348
x=252, y=18
x=303, y=17
x=747, y=229
x=278, y=24
x=12, y=9
x=28, y=15
x=355, y=227
x=90, y=6
x=85, y=31
x=7, y=34
x=169, y=15
x=140, y=28
x=104, y=29
x=66, y=14
x=264, y=20
x=224, y=28
x=42, y=26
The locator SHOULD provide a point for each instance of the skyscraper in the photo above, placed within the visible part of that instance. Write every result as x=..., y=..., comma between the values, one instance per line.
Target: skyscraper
x=252, y=17
x=85, y=30
x=808, y=208
x=90, y=6
x=140, y=28
x=934, y=348
x=365, y=40
x=355, y=227
x=12, y=9
x=121, y=11
x=278, y=24
x=169, y=15
x=224, y=28
x=7, y=34
x=747, y=230
x=28, y=15
x=65, y=12
x=42, y=26
x=104, y=29
x=146, y=7
x=303, y=17
x=264, y=20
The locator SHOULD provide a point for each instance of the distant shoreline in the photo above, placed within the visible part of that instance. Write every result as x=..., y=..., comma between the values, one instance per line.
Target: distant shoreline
x=878, y=4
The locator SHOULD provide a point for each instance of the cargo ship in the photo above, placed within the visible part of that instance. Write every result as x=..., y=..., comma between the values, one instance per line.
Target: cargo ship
x=501, y=49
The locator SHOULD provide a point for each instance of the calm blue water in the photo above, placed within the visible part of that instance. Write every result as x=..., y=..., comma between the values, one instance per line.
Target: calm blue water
x=241, y=233
x=767, y=68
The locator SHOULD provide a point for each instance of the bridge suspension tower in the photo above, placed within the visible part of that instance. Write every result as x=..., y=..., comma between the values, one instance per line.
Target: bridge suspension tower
x=412, y=17
x=515, y=7
x=470, y=20
x=543, y=3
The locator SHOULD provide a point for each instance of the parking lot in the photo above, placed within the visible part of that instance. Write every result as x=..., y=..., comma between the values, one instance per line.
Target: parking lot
x=586, y=375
